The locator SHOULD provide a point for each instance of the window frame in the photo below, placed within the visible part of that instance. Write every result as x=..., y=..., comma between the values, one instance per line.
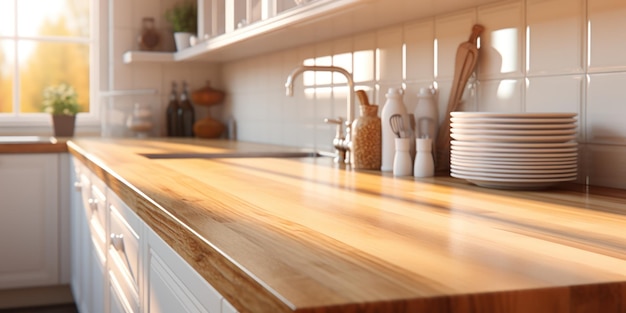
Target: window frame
x=17, y=123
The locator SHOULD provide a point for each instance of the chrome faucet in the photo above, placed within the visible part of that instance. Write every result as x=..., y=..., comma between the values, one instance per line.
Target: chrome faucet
x=341, y=142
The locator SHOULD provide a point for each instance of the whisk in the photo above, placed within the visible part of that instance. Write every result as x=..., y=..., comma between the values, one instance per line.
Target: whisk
x=397, y=125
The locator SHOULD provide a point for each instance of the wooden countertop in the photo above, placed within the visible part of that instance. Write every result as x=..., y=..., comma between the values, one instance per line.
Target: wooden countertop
x=285, y=235
x=32, y=144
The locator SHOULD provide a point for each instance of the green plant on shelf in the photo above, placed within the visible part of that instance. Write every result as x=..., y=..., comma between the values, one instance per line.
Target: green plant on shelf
x=183, y=17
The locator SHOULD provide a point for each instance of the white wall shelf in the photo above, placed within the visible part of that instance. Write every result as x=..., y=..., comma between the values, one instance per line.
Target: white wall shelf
x=312, y=22
x=147, y=56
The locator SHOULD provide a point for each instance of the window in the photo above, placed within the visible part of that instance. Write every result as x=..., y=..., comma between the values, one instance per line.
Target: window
x=42, y=43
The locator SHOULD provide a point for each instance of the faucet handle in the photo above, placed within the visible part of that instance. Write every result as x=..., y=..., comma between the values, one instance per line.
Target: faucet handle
x=339, y=122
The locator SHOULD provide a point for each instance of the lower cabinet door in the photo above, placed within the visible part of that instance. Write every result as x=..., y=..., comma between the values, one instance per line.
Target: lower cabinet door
x=173, y=286
x=118, y=301
x=97, y=282
x=29, y=220
x=115, y=303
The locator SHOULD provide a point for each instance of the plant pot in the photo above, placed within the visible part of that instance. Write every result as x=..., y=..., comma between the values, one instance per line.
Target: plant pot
x=182, y=40
x=63, y=125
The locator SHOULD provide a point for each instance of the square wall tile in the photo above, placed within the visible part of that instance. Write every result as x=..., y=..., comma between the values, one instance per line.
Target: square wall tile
x=606, y=165
x=605, y=110
x=500, y=95
x=323, y=57
x=554, y=94
x=389, y=54
x=342, y=57
x=606, y=35
x=450, y=32
x=555, y=27
x=419, y=55
x=502, y=41
x=364, y=57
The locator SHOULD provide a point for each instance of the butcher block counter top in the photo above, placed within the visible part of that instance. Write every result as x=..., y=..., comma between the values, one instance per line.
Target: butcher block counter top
x=304, y=235
x=32, y=144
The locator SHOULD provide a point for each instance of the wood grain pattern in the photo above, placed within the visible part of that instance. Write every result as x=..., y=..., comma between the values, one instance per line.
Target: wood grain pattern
x=34, y=147
x=284, y=235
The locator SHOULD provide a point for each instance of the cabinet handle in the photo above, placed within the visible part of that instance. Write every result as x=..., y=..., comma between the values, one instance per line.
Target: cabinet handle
x=93, y=203
x=78, y=186
x=117, y=241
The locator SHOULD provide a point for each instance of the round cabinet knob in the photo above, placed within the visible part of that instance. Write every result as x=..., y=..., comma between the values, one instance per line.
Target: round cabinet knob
x=78, y=186
x=93, y=203
x=117, y=241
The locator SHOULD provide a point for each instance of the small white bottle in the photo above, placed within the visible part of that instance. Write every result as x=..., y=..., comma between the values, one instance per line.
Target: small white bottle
x=393, y=105
x=424, y=164
x=426, y=114
x=402, y=158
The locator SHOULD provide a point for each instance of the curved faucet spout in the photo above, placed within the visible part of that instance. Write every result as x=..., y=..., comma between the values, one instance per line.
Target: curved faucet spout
x=315, y=68
x=341, y=142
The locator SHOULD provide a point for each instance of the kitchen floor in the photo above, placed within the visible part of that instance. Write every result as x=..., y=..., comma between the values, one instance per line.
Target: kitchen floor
x=65, y=308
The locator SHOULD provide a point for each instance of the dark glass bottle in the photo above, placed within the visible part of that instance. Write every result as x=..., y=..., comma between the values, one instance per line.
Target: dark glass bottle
x=186, y=115
x=173, y=126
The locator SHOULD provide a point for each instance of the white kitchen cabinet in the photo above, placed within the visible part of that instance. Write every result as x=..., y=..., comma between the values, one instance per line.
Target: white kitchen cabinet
x=80, y=246
x=29, y=226
x=124, y=258
x=173, y=286
x=137, y=272
x=89, y=280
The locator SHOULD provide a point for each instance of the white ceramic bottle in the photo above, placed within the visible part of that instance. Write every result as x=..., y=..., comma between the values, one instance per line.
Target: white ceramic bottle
x=426, y=114
x=424, y=164
x=393, y=105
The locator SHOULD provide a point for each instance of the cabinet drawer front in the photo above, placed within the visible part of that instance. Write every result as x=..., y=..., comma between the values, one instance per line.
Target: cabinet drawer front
x=124, y=236
x=99, y=199
x=122, y=290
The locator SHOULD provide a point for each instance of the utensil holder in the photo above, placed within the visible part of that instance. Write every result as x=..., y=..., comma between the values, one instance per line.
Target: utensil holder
x=402, y=165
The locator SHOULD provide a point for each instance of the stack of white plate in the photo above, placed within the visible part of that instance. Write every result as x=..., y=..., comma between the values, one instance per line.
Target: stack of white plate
x=513, y=150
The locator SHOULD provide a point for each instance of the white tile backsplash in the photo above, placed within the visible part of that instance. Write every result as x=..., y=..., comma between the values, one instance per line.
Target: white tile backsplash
x=500, y=95
x=555, y=30
x=450, y=31
x=607, y=38
x=389, y=55
x=554, y=94
x=605, y=110
x=536, y=55
x=419, y=52
x=502, y=41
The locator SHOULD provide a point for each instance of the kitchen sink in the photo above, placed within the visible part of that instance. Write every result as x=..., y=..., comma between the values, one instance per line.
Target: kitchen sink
x=230, y=155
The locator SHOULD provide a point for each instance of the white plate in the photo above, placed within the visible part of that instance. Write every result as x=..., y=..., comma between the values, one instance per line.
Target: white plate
x=504, y=155
x=511, y=176
x=512, y=115
x=510, y=171
x=537, y=126
x=530, y=139
x=517, y=161
x=512, y=132
x=513, y=120
x=513, y=150
x=518, y=184
x=550, y=145
x=515, y=166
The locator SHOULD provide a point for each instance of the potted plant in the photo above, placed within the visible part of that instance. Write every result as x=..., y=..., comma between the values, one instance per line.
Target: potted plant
x=61, y=102
x=184, y=20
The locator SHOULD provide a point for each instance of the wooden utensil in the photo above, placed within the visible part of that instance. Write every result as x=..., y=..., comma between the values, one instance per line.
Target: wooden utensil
x=362, y=97
x=466, y=59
